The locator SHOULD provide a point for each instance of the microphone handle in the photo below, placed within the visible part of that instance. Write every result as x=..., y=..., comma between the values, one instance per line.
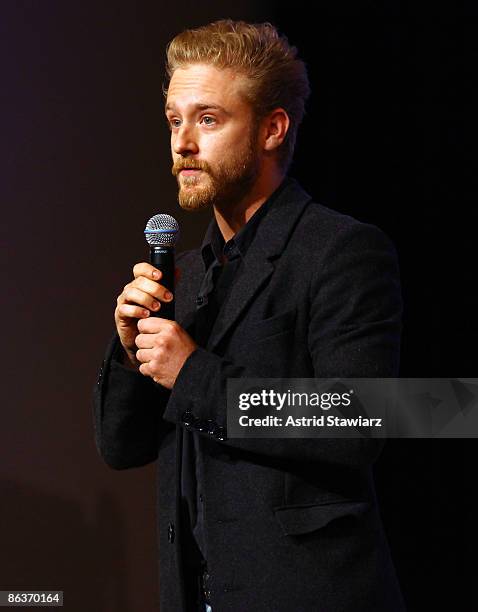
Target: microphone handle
x=162, y=258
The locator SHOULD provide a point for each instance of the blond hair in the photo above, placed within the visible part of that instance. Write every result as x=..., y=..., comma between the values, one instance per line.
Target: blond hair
x=275, y=76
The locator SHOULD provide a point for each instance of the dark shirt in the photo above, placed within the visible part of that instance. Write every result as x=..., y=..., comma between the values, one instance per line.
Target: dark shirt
x=222, y=262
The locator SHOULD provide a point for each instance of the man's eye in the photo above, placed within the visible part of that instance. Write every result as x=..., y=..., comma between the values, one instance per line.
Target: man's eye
x=208, y=120
x=174, y=123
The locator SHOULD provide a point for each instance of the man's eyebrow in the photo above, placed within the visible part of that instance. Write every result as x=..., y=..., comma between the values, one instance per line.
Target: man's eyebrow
x=200, y=106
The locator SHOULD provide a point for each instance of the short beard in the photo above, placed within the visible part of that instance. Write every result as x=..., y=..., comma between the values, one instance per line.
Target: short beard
x=228, y=183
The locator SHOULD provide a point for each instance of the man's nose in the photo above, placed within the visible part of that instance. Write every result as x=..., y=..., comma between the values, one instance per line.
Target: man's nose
x=184, y=141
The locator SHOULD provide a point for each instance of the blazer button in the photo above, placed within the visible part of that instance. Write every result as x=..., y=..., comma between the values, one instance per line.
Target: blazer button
x=170, y=533
x=220, y=433
x=211, y=427
x=204, y=425
x=187, y=418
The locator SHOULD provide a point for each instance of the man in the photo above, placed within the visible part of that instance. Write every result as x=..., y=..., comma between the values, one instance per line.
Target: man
x=281, y=287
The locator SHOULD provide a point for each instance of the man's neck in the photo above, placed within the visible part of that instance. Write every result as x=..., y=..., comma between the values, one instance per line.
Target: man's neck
x=231, y=220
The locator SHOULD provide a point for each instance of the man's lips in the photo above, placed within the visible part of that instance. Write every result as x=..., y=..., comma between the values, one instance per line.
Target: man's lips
x=189, y=171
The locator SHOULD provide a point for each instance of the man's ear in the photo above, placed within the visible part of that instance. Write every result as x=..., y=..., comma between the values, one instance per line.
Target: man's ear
x=275, y=127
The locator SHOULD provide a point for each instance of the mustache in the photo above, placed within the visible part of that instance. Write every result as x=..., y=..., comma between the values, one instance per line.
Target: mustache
x=196, y=164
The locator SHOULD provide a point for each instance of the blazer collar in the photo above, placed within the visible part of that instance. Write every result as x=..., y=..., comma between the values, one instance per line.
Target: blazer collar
x=269, y=242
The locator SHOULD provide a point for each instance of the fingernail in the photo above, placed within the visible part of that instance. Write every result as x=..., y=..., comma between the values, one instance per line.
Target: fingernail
x=156, y=274
x=155, y=305
x=145, y=313
x=168, y=295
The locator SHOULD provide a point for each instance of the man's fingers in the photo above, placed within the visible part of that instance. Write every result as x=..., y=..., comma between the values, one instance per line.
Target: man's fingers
x=148, y=286
x=144, y=369
x=145, y=341
x=131, y=311
x=147, y=270
x=155, y=325
x=133, y=295
x=144, y=355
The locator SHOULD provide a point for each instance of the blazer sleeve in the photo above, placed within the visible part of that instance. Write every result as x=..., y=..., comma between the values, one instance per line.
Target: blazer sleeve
x=354, y=332
x=127, y=413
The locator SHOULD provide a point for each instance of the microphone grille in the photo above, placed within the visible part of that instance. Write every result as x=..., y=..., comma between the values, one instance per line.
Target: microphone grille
x=162, y=230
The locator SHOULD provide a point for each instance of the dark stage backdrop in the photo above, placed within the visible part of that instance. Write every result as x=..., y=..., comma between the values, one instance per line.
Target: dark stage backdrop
x=84, y=162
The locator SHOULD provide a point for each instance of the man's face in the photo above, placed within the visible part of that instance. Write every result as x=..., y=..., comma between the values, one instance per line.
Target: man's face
x=213, y=137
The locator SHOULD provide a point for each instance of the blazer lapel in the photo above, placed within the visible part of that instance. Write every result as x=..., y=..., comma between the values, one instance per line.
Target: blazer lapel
x=269, y=242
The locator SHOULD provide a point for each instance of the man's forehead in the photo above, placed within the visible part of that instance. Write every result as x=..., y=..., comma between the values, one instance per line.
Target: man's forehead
x=204, y=86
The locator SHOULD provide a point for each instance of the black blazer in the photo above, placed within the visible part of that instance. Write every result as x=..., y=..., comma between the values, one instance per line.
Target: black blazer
x=291, y=524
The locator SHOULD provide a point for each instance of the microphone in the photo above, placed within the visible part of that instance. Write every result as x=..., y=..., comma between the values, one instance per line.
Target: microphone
x=162, y=233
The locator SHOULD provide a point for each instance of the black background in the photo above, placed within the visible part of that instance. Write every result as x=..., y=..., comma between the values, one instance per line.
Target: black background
x=84, y=162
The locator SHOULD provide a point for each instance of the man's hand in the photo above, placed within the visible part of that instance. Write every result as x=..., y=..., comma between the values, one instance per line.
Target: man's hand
x=163, y=347
x=138, y=298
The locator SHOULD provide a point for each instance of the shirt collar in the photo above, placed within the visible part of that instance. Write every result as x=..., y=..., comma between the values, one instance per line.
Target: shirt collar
x=213, y=245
